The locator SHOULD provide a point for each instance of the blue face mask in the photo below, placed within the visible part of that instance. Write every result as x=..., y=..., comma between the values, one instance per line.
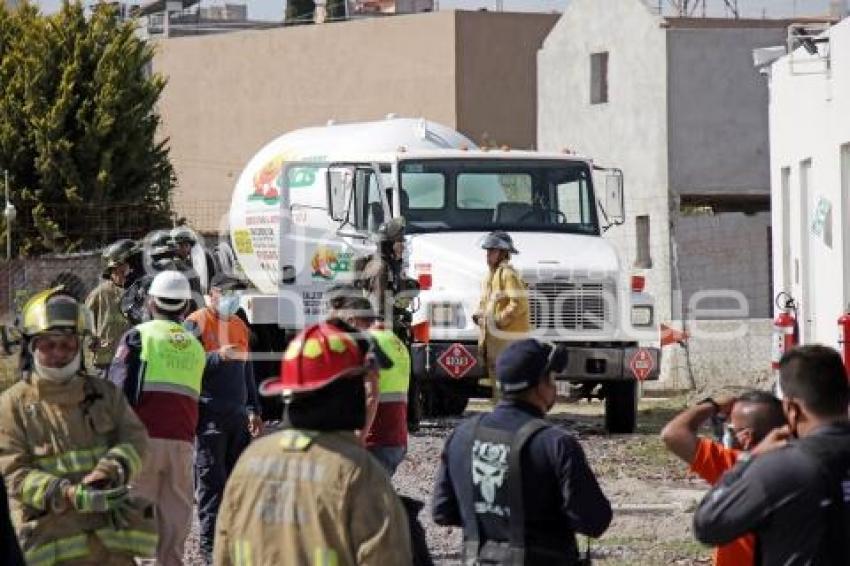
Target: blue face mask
x=228, y=305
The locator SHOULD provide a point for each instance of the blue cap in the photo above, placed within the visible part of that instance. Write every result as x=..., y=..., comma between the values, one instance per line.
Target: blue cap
x=524, y=363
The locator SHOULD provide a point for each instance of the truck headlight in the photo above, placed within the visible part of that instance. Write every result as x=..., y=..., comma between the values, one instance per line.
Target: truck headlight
x=642, y=315
x=445, y=315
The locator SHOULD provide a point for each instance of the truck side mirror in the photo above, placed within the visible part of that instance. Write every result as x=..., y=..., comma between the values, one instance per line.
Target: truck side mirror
x=614, y=200
x=340, y=191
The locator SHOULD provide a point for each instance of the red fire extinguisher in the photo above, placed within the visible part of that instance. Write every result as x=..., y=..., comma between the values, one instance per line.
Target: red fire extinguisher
x=785, y=330
x=844, y=340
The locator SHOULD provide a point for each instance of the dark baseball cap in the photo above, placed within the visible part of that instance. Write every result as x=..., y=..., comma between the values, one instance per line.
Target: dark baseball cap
x=524, y=363
x=225, y=282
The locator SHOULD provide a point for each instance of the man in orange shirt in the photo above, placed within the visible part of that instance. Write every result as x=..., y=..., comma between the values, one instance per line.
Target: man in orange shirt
x=228, y=408
x=749, y=418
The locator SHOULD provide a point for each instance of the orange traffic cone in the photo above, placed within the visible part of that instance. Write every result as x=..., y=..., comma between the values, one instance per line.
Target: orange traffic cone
x=670, y=335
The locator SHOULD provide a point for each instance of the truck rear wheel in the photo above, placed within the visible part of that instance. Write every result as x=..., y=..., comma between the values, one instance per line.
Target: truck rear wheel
x=621, y=400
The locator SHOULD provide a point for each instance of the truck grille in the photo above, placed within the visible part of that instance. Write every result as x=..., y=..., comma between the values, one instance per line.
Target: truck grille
x=560, y=305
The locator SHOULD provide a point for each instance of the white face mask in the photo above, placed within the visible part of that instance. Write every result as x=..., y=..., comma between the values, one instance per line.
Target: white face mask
x=63, y=374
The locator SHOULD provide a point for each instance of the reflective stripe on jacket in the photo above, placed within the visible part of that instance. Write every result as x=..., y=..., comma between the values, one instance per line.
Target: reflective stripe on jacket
x=52, y=431
x=338, y=507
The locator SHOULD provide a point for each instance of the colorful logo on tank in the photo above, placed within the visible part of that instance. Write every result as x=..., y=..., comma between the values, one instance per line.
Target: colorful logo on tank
x=268, y=182
x=328, y=263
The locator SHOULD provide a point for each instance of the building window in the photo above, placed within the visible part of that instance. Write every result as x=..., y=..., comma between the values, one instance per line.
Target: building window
x=599, y=77
x=643, y=259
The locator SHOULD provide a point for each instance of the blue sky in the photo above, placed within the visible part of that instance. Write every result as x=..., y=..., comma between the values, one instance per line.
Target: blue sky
x=273, y=9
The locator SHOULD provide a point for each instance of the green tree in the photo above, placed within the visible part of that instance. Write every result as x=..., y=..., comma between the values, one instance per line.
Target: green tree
x=78, y=128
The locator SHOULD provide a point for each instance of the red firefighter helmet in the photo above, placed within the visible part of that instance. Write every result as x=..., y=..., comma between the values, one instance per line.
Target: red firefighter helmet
x=319, y=355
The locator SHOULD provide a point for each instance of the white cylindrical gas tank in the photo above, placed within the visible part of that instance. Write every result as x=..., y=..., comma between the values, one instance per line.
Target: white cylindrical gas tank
x=255, y=207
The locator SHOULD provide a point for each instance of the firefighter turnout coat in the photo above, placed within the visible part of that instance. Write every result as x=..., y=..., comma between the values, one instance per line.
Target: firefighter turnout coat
x=310, y=498
x=109, y=322
x=504, y=311
x=51, y=430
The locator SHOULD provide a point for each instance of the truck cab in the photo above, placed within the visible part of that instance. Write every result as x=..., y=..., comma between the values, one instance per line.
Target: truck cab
x=330, y=193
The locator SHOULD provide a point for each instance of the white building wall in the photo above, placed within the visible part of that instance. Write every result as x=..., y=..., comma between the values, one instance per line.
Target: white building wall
x=810, y=122
x=629, y=131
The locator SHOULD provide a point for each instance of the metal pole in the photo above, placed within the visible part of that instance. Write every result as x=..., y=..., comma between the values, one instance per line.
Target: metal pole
x=8, y=220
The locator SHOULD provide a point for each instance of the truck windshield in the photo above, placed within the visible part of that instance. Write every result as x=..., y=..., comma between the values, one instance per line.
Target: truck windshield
x=489, y=194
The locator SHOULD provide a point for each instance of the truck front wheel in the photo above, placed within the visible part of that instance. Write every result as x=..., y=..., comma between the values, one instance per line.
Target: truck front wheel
x=621, y=400
x=443, y=400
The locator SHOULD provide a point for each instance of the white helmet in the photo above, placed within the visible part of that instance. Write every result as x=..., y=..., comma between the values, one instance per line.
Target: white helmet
x=173, y=287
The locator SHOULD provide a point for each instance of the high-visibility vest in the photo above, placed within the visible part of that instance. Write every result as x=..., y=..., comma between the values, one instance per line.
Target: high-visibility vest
x=174, y=359
x=394, y=381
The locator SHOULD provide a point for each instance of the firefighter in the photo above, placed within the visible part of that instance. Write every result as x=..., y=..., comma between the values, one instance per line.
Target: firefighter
x=502, y=315
x=69, y=445
x=161, y=254
x=383, y=275
x=311, y=494
x=159, y=365
x=105, y=302
x=391, y=293
x=519, y=486
x=229, y=410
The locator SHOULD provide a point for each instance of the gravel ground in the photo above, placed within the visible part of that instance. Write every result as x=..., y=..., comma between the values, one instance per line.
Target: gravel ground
x=652, y=494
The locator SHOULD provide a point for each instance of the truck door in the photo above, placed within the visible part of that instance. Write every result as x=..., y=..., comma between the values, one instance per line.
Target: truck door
x=322, y=255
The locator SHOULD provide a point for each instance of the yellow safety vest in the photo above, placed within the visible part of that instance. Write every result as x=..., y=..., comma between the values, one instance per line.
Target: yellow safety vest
x=174, y=358
x=393, y=382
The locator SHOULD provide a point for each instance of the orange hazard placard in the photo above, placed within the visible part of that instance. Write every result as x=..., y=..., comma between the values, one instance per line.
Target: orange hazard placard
x=642, y=364
x=456, y=360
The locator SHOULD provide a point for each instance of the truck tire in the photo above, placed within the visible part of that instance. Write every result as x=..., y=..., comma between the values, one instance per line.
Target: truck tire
x=621, y=400
x=453, y=402
x=441, y=401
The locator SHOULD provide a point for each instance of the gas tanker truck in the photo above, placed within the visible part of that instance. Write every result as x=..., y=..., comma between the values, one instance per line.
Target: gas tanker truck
x=307, y=206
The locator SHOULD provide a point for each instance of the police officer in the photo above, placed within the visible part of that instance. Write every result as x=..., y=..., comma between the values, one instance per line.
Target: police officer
x=69, y=445
x=159, y=365
x=791, y=491
x=105, y=302
x=530, y=488
x=311, y=494
x=503, y=314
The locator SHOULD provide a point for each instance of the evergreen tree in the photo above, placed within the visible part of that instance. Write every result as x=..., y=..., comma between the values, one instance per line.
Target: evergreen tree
x=78, y=128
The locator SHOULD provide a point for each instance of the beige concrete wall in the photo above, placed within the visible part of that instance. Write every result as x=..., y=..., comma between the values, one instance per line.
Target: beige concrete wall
x=497, y=75
x=230, y=94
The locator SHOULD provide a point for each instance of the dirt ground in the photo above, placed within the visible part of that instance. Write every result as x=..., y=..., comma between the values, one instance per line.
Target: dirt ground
x=652, y=494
